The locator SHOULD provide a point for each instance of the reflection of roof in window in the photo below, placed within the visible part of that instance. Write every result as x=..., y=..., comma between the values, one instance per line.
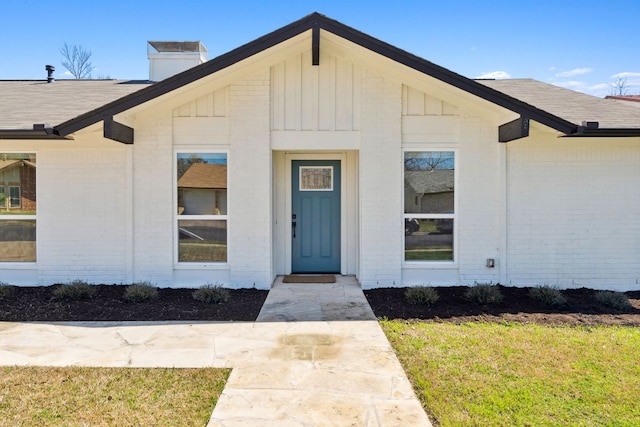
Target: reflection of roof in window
x=8, y=163
x=204, y=175
x=433, y=181
x=4, y=164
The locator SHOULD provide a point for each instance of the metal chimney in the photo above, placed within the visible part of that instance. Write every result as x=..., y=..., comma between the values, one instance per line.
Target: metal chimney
x=50, y=69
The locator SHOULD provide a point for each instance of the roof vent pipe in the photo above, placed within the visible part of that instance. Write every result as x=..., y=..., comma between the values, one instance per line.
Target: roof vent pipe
x=50, y=69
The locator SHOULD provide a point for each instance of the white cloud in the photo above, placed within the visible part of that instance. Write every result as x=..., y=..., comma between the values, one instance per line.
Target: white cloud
x=67, y=73
x=575, y=72
x=625, y=75
x=495, y=75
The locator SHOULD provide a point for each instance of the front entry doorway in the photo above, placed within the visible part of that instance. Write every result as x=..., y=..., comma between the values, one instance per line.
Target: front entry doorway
x=315, y=216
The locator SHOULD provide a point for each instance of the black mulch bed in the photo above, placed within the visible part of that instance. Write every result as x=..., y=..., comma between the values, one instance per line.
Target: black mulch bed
x=581, y=308
x=108, y=304
x=40, y=304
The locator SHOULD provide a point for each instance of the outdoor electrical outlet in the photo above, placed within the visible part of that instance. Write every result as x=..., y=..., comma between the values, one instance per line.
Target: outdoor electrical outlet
x=491, y=262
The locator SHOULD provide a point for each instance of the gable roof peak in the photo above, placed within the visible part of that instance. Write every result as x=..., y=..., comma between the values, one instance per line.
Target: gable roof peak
x=316, y=22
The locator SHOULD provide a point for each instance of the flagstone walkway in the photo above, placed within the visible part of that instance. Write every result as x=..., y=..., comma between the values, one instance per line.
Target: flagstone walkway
x=315, y=357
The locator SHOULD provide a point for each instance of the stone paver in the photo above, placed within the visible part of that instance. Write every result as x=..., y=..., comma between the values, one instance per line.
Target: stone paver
x=315, y=357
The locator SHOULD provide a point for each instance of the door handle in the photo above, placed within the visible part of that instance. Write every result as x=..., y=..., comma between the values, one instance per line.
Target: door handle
x=293, y=225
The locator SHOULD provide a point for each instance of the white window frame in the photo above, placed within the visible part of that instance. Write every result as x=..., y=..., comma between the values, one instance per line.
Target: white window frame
x=453, y=216
x=177, y=217
x=3, y=217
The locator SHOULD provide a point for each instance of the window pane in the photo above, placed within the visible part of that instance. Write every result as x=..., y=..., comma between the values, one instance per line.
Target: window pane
x=428, y=239
x=17, y=184
x=202, y=241
x=202, y=184
x=17, y=241
x=429, y=182
x=14, y=197
x=316, y=178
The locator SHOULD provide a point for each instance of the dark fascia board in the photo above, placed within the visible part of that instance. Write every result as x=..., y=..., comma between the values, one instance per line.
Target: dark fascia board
x=30, y=134
x=605, y=132
x=315, y=20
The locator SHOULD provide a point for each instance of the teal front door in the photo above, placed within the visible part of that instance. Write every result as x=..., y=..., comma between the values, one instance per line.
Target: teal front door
x=315, y=216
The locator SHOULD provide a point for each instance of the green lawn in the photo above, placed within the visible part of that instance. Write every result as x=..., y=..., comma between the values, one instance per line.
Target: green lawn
x=42, y=396
x=202, y=251
x=16, y=212
x=521, y=375
x=431, y=253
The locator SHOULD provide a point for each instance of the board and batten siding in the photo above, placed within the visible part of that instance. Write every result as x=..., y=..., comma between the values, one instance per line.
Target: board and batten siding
x=316, y=98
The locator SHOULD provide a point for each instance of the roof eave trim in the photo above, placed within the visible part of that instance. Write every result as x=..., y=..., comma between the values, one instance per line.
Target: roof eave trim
x=315, y=20
x=582, y=131
x=31, y=134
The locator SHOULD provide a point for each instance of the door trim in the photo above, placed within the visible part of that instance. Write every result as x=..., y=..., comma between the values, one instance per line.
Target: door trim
x=342, y=157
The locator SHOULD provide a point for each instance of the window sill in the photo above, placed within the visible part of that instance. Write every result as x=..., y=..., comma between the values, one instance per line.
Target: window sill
x=18, y=265
x=201, y=266
x=426, y=265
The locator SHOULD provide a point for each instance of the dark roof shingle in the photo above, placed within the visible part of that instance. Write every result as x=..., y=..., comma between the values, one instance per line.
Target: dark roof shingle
x=28, y=102
x=574, y=107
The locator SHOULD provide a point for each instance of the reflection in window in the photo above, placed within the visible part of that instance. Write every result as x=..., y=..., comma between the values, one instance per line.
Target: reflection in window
x=17, y=207
x=202, y=207
x=428, y=240
x=202, y=184
x=429, y=182
x=17, y=240
x=17, y=184
x=429, y=205
x=202, y=241
x=316, y=178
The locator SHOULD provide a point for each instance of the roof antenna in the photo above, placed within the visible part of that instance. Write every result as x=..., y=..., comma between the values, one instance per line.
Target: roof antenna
x=50, y=69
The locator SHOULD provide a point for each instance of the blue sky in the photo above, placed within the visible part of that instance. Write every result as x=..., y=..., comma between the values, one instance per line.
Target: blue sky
x=583, y=45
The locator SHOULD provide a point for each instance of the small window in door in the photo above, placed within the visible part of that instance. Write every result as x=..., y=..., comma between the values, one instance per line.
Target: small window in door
x=316, y=178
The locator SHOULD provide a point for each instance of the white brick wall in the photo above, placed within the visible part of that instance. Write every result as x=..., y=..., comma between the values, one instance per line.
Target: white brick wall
x=153, y=227
x=106, y=211
x=249, y=246
x=81, y=206
x=573, y=209
x=381, y=183
x=479, y=201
